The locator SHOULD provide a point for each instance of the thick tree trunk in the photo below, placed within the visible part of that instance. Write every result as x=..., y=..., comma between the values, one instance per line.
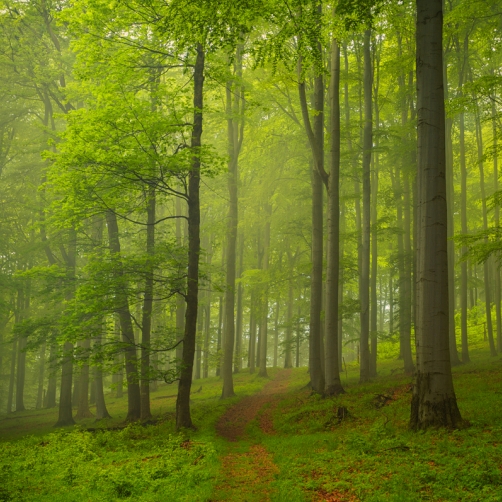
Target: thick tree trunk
x=183, y=417
x=146, y=318
x=333, y=384
x=365, y=258
x=315, y=136
x=433, y=402
x=126, y=327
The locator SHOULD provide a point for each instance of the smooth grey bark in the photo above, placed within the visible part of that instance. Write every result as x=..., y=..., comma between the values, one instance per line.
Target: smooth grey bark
x=147, y=311
x=207, y=314
x=50, y=400
x=374, y=221
x=83, y=410
x=455, y=360
x=235, y=129
x=433, y=402
x=366, y=216
x=101, y=410
x=464, y=230
x=41, y=376
x=65, y=416
x=12, y=378
x=289, y=325
x=219, y=334
x=252, y=334
x=486, y=265
x=183, y=417
x=22, y=301
x=263, y=349
x=333, y=384
x=496, y=221
x=276, y=331
x=239, y=313
x=315, y=136
x=180, y=300
x=126, y=327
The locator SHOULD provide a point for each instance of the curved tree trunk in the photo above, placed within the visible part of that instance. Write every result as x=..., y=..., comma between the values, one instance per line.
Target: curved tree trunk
x=183, y=417
x=126, y=327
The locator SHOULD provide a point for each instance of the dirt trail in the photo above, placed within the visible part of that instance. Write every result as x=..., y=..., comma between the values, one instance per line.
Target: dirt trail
x=247, y=476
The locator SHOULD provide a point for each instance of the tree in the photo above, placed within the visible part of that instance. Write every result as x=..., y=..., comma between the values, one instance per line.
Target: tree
x=434, y=402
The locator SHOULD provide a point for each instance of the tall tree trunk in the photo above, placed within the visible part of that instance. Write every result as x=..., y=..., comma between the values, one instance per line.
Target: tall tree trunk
x=41, y=375
x=315, y=136
x=22, y=300
x=101, y=410
x=183, y=418
x=234, y=142
x=333, y=383
x=464, y=229
x=180, y=300
x=83, y=410
x=433, y=402
x=276, y=331
x=12, y=379
x=374, y=229
x=450, y=193
x=262, y=371
x=207, y=317
x=486, y=265
x=50, y=397
x=146, y=320
x=65, y=398
x=252, y=335
x=126, y=327
x=289, y=322
x=365, y=261
x=238, y=324
x=496, y=269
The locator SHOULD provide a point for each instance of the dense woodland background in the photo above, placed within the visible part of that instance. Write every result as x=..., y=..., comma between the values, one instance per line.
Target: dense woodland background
x=98, y=141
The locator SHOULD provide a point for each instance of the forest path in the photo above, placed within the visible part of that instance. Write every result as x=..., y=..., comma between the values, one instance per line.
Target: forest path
x=246, y=475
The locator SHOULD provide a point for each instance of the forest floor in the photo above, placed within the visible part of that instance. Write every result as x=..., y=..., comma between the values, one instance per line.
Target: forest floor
x=274, y=441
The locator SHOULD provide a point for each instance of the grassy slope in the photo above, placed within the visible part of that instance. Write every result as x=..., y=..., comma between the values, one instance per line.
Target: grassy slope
x=370, y=456
x=139, y=463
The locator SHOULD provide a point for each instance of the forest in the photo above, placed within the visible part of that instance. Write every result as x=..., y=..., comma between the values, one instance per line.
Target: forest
x=250, y=250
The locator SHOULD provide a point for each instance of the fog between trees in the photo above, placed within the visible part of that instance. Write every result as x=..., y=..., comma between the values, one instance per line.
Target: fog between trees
x=202, y=188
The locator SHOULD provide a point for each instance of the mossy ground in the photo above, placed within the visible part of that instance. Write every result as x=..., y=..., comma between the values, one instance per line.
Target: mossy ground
x=370, y=455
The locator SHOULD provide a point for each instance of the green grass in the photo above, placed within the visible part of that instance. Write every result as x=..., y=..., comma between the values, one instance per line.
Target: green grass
x=369, y=456
x=372, y=456
x=143, y=463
